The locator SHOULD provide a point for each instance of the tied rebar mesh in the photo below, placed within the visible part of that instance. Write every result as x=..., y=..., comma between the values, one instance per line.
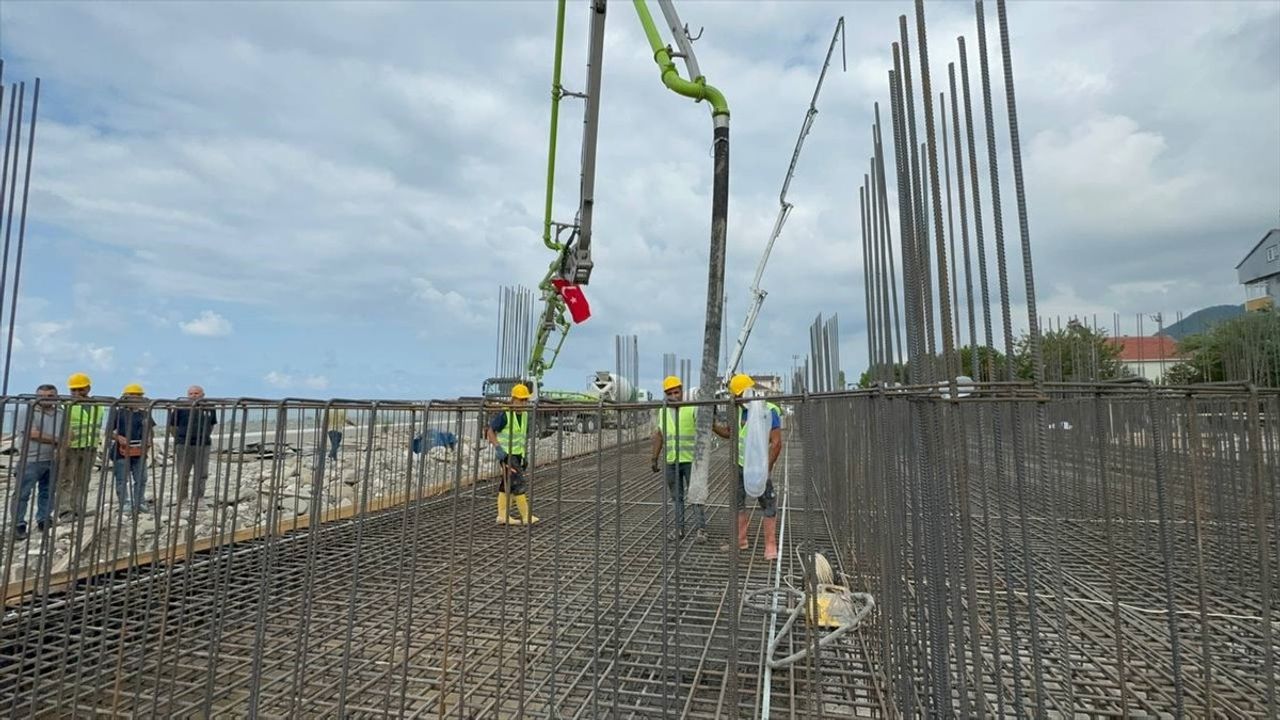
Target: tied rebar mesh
x=1034, y=547
x=379, y=583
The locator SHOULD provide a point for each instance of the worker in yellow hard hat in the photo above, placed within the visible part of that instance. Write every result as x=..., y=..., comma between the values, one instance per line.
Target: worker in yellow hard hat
x=675, y=429
x=738, y=385
x=84, y=437
x=131, y=427
x=508, y=433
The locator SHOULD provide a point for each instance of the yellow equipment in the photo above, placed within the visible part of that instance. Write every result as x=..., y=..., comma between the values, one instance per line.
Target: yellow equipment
x=133, y=389
x=77, y=381
x=671, y=382
x=521, y=392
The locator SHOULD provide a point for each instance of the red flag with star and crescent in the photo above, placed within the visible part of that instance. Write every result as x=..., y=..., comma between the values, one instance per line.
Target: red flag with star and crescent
x=574, y=299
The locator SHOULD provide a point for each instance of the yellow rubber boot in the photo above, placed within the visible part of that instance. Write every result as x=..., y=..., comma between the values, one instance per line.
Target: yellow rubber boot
x=522, y=502
x=504, y=509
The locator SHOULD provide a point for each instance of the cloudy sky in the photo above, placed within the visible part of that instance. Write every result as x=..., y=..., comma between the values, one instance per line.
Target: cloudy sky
x=322, y=199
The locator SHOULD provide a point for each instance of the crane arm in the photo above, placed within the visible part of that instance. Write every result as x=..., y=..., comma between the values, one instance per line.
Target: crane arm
x=572, y=262
x=784, y=208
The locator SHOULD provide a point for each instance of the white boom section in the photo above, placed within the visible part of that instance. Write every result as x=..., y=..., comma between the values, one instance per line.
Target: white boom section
x=758, y=293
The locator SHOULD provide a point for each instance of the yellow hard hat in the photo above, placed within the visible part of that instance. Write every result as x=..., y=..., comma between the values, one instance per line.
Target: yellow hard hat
x=520, y=392
x=740, y=383
x=77, y=381
x=133, y=389
x=671, y=382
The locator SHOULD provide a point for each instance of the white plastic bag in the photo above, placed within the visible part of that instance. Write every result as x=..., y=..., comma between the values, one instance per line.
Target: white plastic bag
x=755, y=455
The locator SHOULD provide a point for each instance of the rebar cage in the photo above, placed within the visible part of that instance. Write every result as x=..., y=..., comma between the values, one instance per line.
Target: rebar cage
x=1086, y=550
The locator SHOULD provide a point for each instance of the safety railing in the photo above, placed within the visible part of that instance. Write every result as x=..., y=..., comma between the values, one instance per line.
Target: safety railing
x=226, y=471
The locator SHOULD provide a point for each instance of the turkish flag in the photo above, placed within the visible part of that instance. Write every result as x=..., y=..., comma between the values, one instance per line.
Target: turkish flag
x=574, y=299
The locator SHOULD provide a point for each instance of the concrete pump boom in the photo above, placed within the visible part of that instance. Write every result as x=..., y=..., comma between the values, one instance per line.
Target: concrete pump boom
x=573, y=262
x=784, y=208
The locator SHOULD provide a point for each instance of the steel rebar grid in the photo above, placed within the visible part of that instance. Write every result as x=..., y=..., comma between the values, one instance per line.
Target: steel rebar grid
x=408, y=608
x=1099, y=516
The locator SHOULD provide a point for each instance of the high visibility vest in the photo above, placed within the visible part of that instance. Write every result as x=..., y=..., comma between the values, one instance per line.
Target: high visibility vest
x=85, y=426
x=511, y=438
x=742, y=431
x=678, y=432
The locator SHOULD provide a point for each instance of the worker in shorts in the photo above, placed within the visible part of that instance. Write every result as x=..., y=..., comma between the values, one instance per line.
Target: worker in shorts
x=768, y=501
x=675, y=430
x=508, y=433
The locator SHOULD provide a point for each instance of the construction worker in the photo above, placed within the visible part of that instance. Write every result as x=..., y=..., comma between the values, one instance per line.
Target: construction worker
x=677, y=423
x=508, y=432
x=767, y=502
x=84, y=434
x=131, y=425
x=39, y=431
x=337, y=421
x=192, y=432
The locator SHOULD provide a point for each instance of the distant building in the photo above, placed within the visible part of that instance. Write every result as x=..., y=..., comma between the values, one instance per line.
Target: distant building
x=1147, y=357
x=768, y=384
x=1259, y=272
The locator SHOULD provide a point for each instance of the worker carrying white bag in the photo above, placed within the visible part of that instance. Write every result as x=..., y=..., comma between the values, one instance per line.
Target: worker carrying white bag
x=759, y=435
x=755, y=446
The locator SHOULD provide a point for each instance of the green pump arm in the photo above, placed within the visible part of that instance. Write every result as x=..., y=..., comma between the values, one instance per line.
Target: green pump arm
x=573, y=261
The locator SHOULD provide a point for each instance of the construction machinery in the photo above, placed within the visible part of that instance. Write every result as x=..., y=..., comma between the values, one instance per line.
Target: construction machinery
x=571, y=241
x=758, y=293
x=565, y=408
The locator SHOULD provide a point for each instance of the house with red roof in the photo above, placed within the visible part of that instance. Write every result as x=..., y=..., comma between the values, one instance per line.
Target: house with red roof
x=1148, y=357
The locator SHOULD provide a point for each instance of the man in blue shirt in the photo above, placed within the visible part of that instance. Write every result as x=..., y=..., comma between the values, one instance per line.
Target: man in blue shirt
x=508, y=432
x=767, y=501
x=130, y=425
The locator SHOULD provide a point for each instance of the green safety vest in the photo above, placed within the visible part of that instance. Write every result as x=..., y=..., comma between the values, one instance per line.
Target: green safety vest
x=85, y=425
x=679, y=432
x=511, y=438
x=742, y=431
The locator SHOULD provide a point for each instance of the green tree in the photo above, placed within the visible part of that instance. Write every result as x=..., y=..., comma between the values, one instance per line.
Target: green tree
x=988, y=359
x=991, y=363
x=866, y=379
x=1076, y=353
x=1243, y=349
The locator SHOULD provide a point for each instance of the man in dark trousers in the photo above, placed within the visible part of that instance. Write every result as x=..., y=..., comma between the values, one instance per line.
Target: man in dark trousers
x=192, y=432
x=39, y=432
x=675, y=431
x=130, y=423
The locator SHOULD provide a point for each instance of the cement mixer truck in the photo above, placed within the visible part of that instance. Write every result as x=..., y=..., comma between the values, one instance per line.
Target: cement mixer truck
x=603, y=387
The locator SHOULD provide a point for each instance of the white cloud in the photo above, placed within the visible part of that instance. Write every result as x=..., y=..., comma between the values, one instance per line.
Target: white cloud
x=209, y=324
x=53, y=344
x=100, y=358
x=193, y=184
x=285, y=380
x=457, y=307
